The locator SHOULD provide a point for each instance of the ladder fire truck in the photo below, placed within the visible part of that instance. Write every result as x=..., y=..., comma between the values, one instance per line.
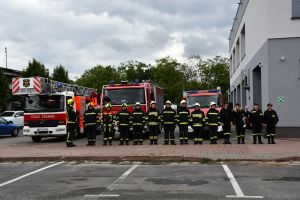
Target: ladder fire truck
x=45, y=103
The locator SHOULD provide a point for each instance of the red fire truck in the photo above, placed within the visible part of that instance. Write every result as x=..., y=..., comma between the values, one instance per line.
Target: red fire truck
x=45, y=103
x=130, y=93
x=204, y=97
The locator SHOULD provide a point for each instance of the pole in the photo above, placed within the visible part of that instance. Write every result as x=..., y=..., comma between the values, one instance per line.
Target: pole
x=6, y=57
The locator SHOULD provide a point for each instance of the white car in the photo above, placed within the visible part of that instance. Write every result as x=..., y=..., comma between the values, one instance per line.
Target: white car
x=16, y=117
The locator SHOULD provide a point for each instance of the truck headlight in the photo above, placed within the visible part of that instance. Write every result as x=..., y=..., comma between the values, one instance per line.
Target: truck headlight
x=26, y=130
x=60, y=129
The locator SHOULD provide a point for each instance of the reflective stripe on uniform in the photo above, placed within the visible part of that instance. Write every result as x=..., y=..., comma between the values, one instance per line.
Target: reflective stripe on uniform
x=197, y=115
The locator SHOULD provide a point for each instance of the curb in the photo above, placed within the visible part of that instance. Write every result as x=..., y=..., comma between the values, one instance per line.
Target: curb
x=151, y=159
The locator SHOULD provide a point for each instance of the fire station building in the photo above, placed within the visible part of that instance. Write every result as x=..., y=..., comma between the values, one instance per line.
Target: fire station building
x=264, y=48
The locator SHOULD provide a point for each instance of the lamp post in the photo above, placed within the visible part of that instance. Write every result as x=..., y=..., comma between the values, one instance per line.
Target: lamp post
x=6, y=57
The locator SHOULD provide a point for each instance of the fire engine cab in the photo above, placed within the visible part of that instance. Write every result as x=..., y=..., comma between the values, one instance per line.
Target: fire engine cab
x=130, y=93
x=203, y=97
x=45, y=103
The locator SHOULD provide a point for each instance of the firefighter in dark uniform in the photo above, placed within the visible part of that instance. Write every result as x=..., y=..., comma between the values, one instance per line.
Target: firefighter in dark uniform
x=213, y=121
x=107, y=122
x=90, y=120
x=124, y=123
x=153, y=119
x=198, y=122
x=239, y=117
x=168, y=119
x=270, y=119
x=256, y=119
x=226, y=120
x=138, y=124
x=71, y=124
x=183, y=119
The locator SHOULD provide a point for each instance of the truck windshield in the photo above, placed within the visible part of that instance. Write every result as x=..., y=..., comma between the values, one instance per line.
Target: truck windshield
x=203, y=100
x=129, y=96
x=44, y=103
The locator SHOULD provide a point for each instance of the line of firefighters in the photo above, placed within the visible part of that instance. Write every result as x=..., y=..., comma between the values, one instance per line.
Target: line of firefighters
x=169, y=118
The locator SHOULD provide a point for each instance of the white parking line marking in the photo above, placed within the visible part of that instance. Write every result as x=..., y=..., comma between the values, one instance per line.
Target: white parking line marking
x=238, y=191
x=29, y=174
x=114, y=184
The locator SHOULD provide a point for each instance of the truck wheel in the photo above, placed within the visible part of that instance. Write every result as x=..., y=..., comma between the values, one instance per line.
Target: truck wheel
x=15, y=133
x=36, y=138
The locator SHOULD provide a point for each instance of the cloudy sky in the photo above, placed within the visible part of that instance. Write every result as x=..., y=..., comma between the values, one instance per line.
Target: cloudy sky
x=82, y=33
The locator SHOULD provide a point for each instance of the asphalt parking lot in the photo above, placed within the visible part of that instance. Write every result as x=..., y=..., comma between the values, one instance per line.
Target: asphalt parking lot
x=137, y=181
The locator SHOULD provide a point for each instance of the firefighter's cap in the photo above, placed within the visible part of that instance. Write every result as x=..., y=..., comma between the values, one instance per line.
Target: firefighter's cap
x=212, y=103
x=108, y=105
x=90, y=104
x=183, y=101
x=137, y=103
x=152, y=102
x=70, y=101
x=124, y=104
x=168, y=102
x=197, y=104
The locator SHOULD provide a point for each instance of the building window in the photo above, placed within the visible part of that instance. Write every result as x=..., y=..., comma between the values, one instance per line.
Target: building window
x=295, y=9
x=231, y=66
x=238, y=57
x=233, y=60
x=243, y=42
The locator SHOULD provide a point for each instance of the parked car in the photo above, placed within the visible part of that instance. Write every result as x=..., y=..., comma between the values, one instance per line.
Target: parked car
x=8, y=128
x=16, y=117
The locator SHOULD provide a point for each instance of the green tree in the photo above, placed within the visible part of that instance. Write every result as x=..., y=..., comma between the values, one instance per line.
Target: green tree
x=132, y=70
x=215, y=72
x=168, y=75
x=35, y=68
x=98, y=76
x=60, y=74
x=4, y=91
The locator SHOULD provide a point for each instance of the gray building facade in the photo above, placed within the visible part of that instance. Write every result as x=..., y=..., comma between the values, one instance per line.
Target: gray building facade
x=267, y=67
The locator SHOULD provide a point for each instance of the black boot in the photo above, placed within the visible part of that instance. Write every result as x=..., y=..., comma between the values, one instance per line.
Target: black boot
x=273, y=139
x=200, y=142
x=140, y=142
x=186, y=141
x=228, y=139
x=239, y=140
x=135, y=143
x=127, y=142
x=215, y=141
x=89, y=143
x=211, y=141
x=243, y=140
x=173, y=143
x=259, y=139
x=254, y=139
x=181, y=142
x=195, y=142
x=121, y=142
x=225, y=139
x=110, y=142
x=151, y=142
x=70, y=145
x=155, y=142
x=269, y=140
x=166, y=142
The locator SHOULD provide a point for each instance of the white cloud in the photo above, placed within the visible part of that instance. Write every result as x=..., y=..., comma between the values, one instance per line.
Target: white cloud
x=81, y=34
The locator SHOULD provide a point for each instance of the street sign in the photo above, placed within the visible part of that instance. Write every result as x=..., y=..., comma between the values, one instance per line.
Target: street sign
x=280, y=99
